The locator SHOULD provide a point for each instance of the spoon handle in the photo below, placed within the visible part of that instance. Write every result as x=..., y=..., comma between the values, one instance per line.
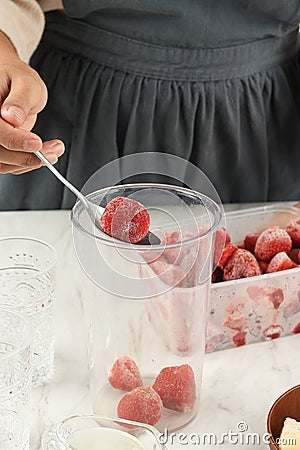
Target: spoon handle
x=61, y=178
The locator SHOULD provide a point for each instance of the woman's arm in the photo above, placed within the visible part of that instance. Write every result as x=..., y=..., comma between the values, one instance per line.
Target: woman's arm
x=23, y=22
x=23, y=94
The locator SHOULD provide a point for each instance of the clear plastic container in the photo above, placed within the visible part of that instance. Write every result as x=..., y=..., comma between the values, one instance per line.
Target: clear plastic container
x=257, y=308
x=142, y=305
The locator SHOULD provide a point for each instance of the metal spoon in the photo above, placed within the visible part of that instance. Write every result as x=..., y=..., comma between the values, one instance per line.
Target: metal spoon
x=94, y=211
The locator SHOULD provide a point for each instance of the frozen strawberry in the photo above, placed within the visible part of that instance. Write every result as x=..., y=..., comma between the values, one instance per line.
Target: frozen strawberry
x=173, y=237
x=263, y=266
x=125, y=374
x=273, y=331
x=171, y=275
x=217, y=275
x=176, y=387
x=279, y=262
x=241, y=264
x=228, y=250
x=176, y=254
x=271, y=241
x=142, y=404
x=239, y=339
x=250, y=241
x=293, y=229
x=294, y=254
x=221, y=239
x=172, y=254
x=125, y=219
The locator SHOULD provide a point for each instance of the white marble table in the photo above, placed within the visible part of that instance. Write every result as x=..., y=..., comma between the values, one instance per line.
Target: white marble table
x=239, y=385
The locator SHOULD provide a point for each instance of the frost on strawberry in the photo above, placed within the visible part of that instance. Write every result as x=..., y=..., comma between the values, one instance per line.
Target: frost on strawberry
x=125, y=219
x=176, y=387
x=272, y=241
x=124, y=374
x=279, y=262
x=241, y=264
x=142, y=404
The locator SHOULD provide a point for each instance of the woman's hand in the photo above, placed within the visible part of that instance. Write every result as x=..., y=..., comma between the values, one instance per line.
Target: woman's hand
x=23, y=95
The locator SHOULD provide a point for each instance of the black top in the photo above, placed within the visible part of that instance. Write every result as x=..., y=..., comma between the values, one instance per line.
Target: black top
x=190, y=23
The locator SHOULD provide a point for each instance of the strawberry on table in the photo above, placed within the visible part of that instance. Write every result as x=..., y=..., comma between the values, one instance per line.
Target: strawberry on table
x=272, y=241
x=142, y=404
x=125, y=219
x=176, y=387
x=124, y=374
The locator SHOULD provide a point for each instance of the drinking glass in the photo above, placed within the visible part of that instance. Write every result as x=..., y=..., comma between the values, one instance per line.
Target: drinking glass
x=27, y=286
x=148, y=303
x=90, y=432
x=15, y=381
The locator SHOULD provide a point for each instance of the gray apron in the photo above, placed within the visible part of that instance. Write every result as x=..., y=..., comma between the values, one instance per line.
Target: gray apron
x=215, y=82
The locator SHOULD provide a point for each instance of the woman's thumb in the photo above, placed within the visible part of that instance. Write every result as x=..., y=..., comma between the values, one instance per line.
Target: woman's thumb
x=27, y=96
x=13, y=114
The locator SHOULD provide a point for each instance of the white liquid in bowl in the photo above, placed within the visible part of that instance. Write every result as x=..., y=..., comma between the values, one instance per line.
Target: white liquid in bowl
x=103, y=439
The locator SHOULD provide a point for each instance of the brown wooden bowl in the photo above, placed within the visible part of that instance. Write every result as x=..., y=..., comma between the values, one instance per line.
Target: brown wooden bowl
x=287, y=405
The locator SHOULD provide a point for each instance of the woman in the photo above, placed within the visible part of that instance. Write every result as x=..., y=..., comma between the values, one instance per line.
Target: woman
x=215, y=82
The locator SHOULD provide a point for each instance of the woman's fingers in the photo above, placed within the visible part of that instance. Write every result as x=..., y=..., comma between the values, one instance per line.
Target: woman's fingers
x=18, y=139
x=16, y=170
x=19, y=162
